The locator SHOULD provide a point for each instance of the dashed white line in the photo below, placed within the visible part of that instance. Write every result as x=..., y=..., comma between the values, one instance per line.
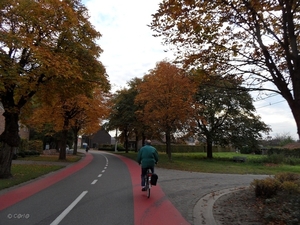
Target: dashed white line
x=68, y=209
x=99, y=175
x=94, y=182
x=103, y=171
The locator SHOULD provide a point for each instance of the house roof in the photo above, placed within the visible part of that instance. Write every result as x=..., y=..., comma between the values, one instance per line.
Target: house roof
x=295, y=145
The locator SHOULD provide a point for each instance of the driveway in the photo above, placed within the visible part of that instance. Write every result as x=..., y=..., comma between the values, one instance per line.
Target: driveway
x=184, y=189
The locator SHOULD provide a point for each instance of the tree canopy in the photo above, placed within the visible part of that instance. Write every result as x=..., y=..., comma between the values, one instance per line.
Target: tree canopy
x=166, y=94
x=256, y=40
x=123, y=116
x=225, y=115
x=42, y=41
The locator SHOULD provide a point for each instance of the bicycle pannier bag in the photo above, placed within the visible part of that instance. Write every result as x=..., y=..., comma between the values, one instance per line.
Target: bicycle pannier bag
x=154, y=179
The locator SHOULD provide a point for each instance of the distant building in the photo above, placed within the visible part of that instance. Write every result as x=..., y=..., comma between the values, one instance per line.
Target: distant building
x=102, y=137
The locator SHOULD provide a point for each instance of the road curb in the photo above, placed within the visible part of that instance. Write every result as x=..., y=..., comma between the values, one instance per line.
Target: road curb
x=203, y=210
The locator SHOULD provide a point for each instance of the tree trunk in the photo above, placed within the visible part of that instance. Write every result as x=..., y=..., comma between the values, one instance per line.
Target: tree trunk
x=9, y=141
x=6, y=155
x=75, y=143
x=75, y=133
x=295, y=107
x=209, y=153
x=143, y=139
x=62, y=152
x=136, y=142
x=168, y=144
x=126, y=140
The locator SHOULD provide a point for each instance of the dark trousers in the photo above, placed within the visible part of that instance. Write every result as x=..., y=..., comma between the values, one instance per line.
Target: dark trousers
x=144, y=172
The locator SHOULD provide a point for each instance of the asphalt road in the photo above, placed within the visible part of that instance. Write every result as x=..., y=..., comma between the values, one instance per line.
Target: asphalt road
x=107, y=191
x=99, y=193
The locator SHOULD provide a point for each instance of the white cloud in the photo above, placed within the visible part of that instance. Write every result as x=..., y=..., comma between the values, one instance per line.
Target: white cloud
x=131, y=51
x=276, y=113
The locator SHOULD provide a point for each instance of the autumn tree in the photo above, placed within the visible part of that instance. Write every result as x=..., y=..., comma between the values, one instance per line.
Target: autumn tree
x=166, y=94
x=256, y=40
x=41, y=41
x=225, y=114
x=81, y=113
x=90, y=119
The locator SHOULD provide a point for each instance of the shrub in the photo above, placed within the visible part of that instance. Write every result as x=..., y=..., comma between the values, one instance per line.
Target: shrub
x=290, y=187
x=30, y=153
x=276, y=158
x=295, y=153
x=23, y=145
x=266, y=188
x=282, y=177
x=15, y=156
x=21, y=154
x=105, y=147
x=246, y=150
x=35, y=145
x=119, y=147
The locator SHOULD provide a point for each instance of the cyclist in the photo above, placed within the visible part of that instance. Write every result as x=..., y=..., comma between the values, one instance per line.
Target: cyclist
x=148, y=157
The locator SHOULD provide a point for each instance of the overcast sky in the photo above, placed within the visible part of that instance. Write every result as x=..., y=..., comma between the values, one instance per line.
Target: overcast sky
x=131, y=51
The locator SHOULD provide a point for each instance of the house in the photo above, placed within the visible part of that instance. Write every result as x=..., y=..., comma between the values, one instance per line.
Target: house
x=295, y=145
x=102, y=137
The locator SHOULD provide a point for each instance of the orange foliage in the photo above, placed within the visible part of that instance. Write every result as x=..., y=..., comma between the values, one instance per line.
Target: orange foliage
x=167, y=95
x=79, y=110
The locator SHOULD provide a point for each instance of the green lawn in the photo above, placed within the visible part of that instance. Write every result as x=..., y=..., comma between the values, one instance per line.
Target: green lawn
x=221, y=163
x=23, y=172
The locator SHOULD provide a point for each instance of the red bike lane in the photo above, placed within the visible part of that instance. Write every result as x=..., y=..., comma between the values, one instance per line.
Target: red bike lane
x=27, y=190
x=156, y=210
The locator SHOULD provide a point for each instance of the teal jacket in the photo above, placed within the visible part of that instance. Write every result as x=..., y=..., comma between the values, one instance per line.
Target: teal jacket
x=147, y=156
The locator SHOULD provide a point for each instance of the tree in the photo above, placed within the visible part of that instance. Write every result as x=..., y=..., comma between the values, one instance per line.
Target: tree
x=166, y=94
x=41, y=41
x=226, y=115
x=279, y=140
x=78, y=113
x=94, y=112
x=123, y=115
x=256, y=40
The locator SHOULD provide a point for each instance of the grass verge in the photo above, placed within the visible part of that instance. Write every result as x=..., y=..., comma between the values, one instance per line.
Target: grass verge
x=25, y=172
x=221, y=163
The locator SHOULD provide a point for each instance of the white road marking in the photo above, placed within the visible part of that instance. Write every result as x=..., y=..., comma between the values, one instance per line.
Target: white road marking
x=68, y=209
x=103, y=171
x=94, y=182
x=105, y=168
x=99, y=175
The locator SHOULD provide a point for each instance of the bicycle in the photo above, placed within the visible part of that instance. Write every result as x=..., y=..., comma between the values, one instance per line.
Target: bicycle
x=148, y=182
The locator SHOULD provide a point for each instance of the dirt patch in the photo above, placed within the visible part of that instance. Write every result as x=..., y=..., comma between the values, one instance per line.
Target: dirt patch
x=239, y=207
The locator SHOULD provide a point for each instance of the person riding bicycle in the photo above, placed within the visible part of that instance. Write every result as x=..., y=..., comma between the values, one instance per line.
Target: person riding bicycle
x=147, y=157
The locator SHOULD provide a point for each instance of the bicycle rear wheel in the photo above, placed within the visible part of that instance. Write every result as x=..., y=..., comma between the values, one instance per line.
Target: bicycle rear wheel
x=148, y=188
